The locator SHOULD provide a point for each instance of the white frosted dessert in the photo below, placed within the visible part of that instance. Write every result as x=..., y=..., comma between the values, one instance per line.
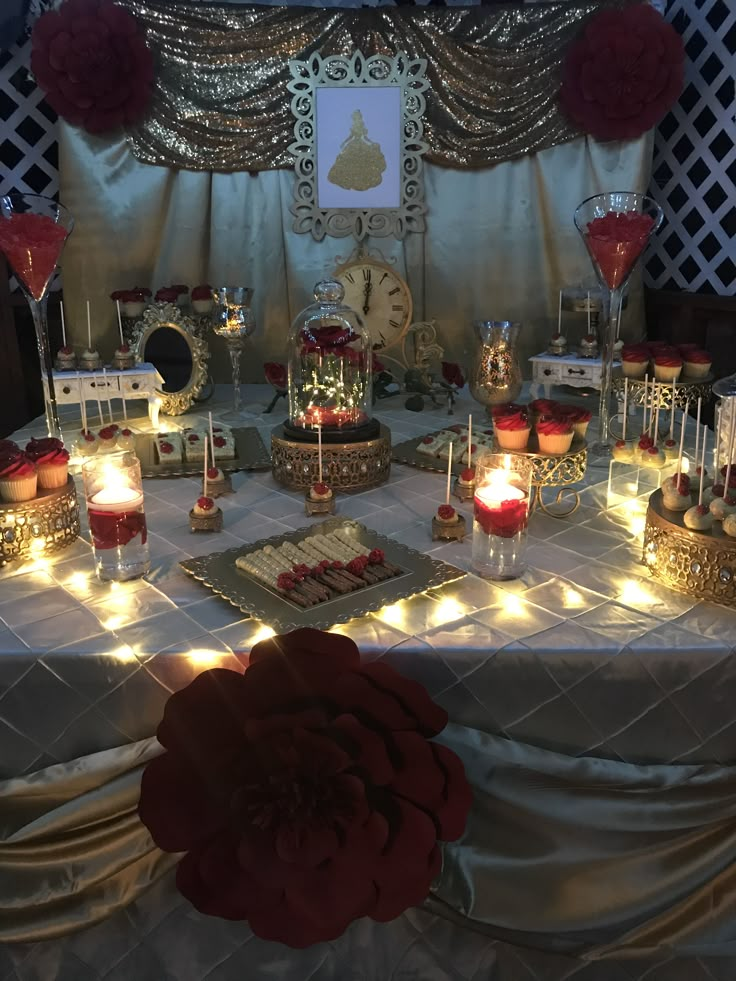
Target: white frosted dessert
x=169, y=448
x=224, y=443
x=698, y=518
x=721, y=507
x=320, y=492
x=85, y=444
x=194, y=441
x=623, y=451
x=90, y=360
x=205, y=507
x=676, y=494
x=653, y=458
x=729, y=525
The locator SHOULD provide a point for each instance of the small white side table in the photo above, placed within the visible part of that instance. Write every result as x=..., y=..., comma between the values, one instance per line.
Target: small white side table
x=571, y=369
x=140, y=382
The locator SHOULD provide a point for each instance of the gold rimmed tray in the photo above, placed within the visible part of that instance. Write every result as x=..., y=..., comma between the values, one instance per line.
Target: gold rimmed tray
x=686, y=390
x=219, y=573
x=250, y=454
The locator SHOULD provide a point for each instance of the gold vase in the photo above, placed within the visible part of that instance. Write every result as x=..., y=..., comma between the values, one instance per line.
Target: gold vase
x=496, y=375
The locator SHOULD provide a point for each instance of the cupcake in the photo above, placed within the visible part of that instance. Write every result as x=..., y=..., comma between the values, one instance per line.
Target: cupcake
x=133, y=302
x=202, y=301
x=683, y=349
x=53, y=468
x=578, y=417
x=7, y=446
x=696, y=364
x=123, y=358
x=667, y=367
x=18, y=478
x=90, y=360
x=541, y=407
x=698, y=518
x=634, y=361
x=554, y=435
x=512, y=430
x=66, y=359
x=37, y=447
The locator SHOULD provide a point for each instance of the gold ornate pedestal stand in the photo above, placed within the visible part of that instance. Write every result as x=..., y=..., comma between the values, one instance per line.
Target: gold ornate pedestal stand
x=686, y=390
x=558, y=470
x=41, y=526
x=345, y=466
x=702, y=564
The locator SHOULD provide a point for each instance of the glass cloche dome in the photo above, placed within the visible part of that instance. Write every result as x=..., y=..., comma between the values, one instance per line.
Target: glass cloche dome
x=330, y=369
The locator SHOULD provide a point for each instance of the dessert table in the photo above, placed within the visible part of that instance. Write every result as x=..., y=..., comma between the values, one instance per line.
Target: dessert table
x=594, y=710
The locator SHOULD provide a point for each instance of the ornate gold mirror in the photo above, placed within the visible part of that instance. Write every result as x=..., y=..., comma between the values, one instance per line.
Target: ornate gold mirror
x=169, y=340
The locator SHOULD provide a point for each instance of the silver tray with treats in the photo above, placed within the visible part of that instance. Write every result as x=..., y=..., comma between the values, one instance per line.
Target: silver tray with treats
x=250, y=454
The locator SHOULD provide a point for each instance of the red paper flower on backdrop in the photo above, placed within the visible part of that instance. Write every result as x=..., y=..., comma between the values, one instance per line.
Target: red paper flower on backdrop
x=276, y=374
x=453, y=374
x=623, y=74
x=92, y=62
x=305, y=792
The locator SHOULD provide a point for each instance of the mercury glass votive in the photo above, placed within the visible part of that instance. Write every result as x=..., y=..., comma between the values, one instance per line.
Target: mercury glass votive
x=501, y=515
x=113, y=490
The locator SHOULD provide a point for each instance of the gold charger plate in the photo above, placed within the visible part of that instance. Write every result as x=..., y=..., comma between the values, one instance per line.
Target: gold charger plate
x=219, y=573
x=250, y=454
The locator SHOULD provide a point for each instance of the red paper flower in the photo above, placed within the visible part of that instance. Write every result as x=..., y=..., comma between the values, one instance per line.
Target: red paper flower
x=623, y=74
x=275, y=374
x=91, y=61
x=452, y=374
x=304, y=792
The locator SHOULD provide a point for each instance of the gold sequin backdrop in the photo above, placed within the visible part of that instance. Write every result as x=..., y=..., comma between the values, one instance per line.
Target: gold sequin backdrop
x=503, y=175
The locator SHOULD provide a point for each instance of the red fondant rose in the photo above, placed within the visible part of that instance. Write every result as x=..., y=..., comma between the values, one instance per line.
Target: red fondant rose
x=91, y=60
x=276, y=374
x=304, y=792
x=623, y=74
x=452, y=374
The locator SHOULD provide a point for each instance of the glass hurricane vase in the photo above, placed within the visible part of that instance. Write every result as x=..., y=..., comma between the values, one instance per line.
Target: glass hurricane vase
x=616, y=228
x=234, y=322
x=33, y=230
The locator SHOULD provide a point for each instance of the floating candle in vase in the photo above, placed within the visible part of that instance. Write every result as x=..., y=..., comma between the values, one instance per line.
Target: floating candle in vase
x=500, y=516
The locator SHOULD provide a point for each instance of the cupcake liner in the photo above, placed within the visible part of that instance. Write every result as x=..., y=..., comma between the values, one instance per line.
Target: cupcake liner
x=634, y=369
x=52, y=475
x=667, y=373
x=19, y=489
x=555, y=443
x=580, y=428
x=512, y=439
x=695, y=370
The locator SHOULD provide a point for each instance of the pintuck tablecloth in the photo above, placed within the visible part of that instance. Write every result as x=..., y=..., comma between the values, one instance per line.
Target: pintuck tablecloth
x=584, y=657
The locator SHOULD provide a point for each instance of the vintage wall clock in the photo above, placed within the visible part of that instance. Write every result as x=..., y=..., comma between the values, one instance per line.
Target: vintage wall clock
x=380, y=295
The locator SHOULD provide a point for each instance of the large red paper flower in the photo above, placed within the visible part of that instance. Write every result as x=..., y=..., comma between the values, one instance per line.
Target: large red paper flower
x=91, y=61
x=623, y=74
x=305, y=792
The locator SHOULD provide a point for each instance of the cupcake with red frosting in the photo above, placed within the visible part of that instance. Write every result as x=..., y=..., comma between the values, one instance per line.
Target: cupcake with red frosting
x=52, y=461
x=202, y=301
x=577, y=416
x=512, y=430
x=554, y=435
x=541, y=407
x=634, y=360
x=18, y=478
x=696, y=364
x=667, y=367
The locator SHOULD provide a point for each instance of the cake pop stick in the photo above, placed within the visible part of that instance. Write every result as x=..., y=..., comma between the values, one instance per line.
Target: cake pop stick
x=82, y=404
x=651, y=397
x=204, y=481
x=99, y=403
x=587, y=305
x=449, y=475
x=122, y=396
x=89, y=328
x=470, y=440
x=730, y=453
x=702, y=470
x=559, y=314
x=626, y=406
x=63, y=324
x=212, y=439
x=319, y=452
x=120, y=324
x=672, y=411
x=717, y=461
x=697, y=432
x=656, y=423
x=107, y=391
x=644, y=405
x=682, y=441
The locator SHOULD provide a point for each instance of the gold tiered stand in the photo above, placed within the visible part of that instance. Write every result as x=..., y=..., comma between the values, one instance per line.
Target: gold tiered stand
x=699, y=563
x=345, y=466
x=46, y=524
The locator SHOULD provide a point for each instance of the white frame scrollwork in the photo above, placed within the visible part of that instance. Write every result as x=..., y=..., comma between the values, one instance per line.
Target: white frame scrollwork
x=171, y=317
x=376, y=70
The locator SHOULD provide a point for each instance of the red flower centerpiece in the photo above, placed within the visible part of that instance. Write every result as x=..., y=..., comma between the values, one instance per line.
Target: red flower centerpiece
x=623, y=74
x=304, y=792
x=91, y=60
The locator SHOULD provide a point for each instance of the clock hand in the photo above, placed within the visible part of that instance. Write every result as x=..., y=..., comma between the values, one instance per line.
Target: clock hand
x=367, y=290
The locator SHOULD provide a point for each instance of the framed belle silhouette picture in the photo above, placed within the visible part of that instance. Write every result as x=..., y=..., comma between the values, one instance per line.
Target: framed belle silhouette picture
x=358, y=145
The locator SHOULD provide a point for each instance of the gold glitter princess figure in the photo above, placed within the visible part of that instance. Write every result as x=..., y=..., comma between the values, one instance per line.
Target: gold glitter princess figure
x=360, y=163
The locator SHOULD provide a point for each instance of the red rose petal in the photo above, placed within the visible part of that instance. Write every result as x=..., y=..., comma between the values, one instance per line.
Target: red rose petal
x=430, y=717
x=419, y=778
x=174, y=807
x=370, y=754
x=306, y=846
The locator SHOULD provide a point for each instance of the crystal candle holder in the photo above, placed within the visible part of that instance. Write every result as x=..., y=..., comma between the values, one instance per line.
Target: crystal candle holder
x=113, y=490
x=501, y=502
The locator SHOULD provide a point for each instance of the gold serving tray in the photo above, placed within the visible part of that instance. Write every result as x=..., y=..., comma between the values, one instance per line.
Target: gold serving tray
x=250, y=454
x=407, y=453
x=219, y=573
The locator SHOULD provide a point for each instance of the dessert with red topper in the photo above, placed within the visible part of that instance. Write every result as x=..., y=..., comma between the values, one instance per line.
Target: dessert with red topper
x=90, y=360
x=18, y=478
x=589, y=346
x=205, y=515
x=202, y=301
x=51, y=460
x=123, y=359
x=66, y=359
x=554, y=435
x=319, y=499
x=320, y=492
x=634, y=360
x=512, y=430
x=558, y=345
x=696, y=364
x=676, y=494
x=667, y=367
x=448, y=524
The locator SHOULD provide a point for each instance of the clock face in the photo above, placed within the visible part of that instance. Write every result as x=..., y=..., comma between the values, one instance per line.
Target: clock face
x=382, y=298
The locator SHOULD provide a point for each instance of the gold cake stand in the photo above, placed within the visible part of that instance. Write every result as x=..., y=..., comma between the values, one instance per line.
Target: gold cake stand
x=345, y=466
x=686, y=390
x=46, y=524
x=557, y=471
x=699, y=563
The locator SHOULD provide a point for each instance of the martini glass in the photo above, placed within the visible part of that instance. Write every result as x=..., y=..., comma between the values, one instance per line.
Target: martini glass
x=33, y=230
x=616, y=228
x=234, y=322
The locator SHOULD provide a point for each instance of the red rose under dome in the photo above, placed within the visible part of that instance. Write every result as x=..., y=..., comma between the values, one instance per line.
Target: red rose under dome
x=305, y=792
x=623, y=74
x=91, y=60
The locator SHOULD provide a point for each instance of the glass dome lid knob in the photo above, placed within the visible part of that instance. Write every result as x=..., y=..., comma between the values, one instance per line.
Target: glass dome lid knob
x=329, y=291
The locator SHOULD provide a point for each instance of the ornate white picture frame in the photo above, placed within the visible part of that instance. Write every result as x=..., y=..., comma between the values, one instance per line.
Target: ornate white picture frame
x=358, y=145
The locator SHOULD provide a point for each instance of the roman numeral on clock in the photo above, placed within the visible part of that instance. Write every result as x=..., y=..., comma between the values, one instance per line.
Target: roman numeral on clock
x=350, y=278
x=395, y=323
x=394, y=290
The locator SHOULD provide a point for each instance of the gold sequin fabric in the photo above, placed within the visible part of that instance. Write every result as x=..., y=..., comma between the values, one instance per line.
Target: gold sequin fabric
x=221, y=101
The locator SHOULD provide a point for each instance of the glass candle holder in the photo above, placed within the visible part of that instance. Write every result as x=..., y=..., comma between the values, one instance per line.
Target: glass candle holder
x=113, y=491
x=501, y=515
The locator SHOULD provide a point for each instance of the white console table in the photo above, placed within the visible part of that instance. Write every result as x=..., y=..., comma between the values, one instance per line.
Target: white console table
x=140, y=382
x=570, y=369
